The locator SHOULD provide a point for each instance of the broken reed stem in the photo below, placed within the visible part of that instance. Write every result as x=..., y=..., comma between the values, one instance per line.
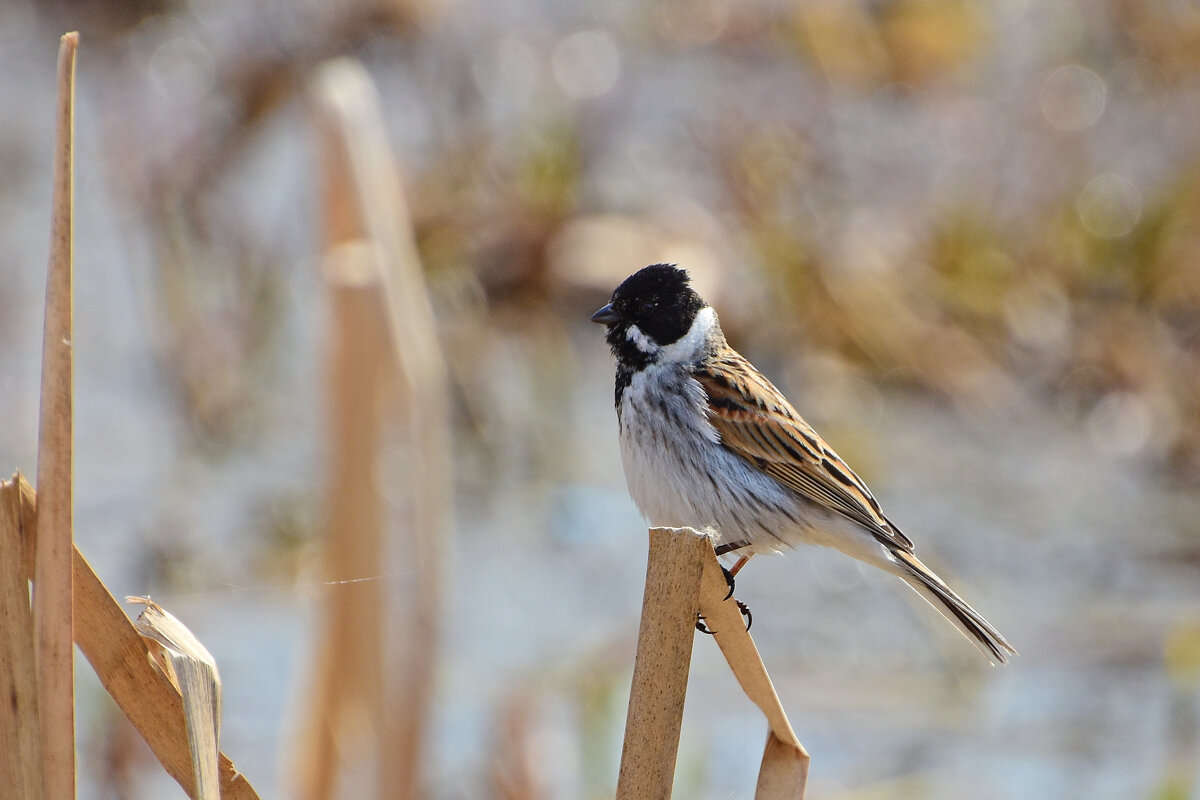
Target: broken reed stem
x=52, y=570
x=127, y=671
x=20, y=749
x=783, y=774
x=683, y=579
x=660, y=669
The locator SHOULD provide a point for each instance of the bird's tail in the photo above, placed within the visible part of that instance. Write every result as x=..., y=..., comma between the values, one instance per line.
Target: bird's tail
x=954, y=608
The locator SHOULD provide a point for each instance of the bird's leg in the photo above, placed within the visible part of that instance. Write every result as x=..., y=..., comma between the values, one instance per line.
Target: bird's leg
x=723, y=549
x=729, y=573
x=729, y=547
x=742, y=607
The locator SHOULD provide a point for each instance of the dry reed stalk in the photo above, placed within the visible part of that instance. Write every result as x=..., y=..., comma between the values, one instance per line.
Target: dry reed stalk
x=52, y=570
x=193, y=671
x=683, y=579
x=370, y=205
x=127, y=670
x=783, y=773
x=663, y=660
x=20, y=747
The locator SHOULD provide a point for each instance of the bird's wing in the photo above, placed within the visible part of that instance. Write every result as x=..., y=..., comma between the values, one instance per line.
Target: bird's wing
x=756, y=422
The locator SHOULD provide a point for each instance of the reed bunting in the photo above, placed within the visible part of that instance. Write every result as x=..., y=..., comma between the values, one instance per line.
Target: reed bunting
x=708, y=442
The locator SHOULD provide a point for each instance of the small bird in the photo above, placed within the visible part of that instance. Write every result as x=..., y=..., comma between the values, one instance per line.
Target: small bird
x=708, y=442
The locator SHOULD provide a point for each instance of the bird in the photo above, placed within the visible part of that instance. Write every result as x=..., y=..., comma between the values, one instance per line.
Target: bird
x=708, y=442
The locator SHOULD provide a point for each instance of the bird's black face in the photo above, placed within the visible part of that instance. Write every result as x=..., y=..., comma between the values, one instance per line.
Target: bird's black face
x=653, y=308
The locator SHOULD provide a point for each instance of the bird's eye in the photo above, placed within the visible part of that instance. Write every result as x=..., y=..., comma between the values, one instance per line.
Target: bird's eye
x=647, y=306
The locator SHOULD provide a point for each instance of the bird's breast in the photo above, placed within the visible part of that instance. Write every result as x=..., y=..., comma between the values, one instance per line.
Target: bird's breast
x=678, y=472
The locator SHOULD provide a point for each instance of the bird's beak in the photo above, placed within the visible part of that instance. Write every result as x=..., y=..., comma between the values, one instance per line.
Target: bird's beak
x=606, y=316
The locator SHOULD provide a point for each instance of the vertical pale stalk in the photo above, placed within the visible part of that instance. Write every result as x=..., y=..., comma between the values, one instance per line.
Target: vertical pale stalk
x=660, y=669
x=20, y=751
x=349, y=699
x=52, y=566
x=350, y=500
x=349, y=110
x=348, y=679
x=359, y=363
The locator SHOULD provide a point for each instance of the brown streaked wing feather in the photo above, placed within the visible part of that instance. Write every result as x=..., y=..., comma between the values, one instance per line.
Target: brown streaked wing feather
x=757, y=422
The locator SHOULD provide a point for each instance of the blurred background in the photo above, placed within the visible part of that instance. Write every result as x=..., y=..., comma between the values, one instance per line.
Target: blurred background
x=963, y=237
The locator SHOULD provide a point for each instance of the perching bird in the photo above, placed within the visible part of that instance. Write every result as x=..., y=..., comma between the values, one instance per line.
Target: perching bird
x=709, y=443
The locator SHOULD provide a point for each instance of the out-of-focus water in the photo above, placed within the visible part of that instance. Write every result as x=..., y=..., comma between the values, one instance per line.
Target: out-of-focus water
x=1068, y=552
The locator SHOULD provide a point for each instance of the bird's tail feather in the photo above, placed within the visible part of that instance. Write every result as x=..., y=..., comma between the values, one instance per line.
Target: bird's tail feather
x=954, y=608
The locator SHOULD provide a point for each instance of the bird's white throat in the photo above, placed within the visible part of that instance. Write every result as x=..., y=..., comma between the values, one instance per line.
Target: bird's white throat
x=640, y=340
x=686, y=347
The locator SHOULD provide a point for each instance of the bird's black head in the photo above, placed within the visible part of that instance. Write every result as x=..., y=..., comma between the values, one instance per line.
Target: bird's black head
x=654, y=307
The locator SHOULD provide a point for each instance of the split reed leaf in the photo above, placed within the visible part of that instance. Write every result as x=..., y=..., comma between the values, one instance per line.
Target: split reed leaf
x=193, y=670
x=118, y=654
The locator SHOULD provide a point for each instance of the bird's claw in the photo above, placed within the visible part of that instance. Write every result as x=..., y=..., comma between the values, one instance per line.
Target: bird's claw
x=728, y=580
x=745, y=609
